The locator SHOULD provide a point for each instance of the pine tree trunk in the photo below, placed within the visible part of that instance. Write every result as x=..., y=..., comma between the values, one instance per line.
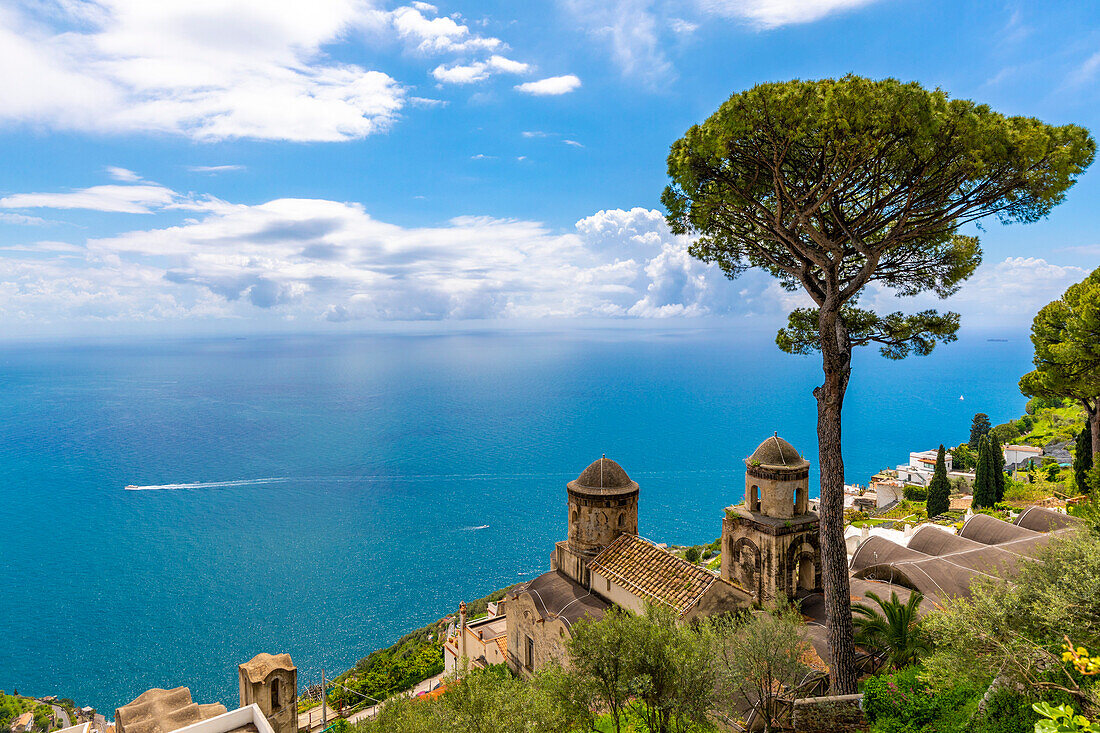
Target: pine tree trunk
x=836, y=357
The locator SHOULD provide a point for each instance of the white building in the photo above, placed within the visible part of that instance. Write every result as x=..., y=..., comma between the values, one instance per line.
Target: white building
x=921, y=466
x=1015, y=454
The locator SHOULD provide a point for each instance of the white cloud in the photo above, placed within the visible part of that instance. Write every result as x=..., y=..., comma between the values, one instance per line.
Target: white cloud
x=551, y=86
x=21, y=219
x=631, y=29
x=1008, y=292
x=141, y=199
x=478, y=70
x=767, y=14
x=438, y=34
x=122, y=174
x=574, y=143
x=310, y=259
x=426, y=102
x=214, y=168
x=205, y=69
x=1086, y=71
x=682, y=27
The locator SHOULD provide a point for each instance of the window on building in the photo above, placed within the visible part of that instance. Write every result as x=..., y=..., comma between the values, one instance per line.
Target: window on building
x=529, y=653
x=275, y=702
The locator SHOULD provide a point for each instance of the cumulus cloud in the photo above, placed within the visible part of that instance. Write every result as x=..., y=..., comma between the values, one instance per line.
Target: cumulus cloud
x=208, y=70
x=319, y=259
x=478, y=70
x=315, y=259
x=438, y=34
x=551, y=86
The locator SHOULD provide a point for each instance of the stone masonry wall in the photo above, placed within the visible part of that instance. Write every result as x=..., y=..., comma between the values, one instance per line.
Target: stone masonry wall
x=834, y=714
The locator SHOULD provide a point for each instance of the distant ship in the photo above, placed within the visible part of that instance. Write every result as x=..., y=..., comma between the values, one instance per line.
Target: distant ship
x=131, y=487
x=1003, y=341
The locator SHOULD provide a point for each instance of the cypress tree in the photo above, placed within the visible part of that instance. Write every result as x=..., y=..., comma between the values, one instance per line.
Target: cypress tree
x=1082, y=458
x=939, y=489
x=998, y=456
x=985, y=491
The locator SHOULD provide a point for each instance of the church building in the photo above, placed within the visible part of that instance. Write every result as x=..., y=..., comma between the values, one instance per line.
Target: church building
x=604, y=562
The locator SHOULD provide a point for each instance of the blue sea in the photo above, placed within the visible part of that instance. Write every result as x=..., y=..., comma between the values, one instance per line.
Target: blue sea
x=322, y=495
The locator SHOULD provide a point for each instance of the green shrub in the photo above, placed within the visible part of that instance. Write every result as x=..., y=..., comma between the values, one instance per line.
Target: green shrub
x=902, y=703
x=1006, y=712
x=915, y=493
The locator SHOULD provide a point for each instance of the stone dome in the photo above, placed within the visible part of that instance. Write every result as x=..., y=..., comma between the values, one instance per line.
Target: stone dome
x=778, y=453
x=604, y=474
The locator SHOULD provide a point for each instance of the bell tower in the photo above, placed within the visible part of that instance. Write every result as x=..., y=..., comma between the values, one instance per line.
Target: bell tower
x=271, y=681
x=603, y=504
x=770, y=543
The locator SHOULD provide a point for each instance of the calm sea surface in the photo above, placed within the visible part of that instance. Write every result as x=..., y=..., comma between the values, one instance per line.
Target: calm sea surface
x=349, y=489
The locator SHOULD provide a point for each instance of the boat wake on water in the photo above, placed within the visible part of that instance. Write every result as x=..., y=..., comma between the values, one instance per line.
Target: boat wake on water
x=211, y=484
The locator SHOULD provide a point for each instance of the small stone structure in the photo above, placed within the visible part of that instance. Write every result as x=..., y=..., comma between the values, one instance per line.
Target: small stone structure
x=271, y=681
x=770, y=543
x=833, y=714
x=163, y=711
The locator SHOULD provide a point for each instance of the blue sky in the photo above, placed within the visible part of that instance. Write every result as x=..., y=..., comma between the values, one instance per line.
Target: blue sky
x=193, y=164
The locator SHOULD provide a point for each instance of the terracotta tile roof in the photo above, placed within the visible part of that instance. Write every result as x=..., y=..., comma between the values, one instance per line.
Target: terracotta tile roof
x=502, y=644
x=652, y=573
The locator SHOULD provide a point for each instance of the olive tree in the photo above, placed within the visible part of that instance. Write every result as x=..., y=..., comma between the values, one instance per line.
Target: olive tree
x=832, y=186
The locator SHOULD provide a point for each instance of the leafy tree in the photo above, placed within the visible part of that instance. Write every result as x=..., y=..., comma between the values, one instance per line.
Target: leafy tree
x=600, y=654
x=1066, y=336
x=692, y=554
x=834, y=185
x=484, y=701
x=673, y=674
x=892, y=630
x=963, y=457
x=757, y=655
x=1005, y=432
x=939, y=490
x=979, y=427
x=1082, y=458
x=985, y=488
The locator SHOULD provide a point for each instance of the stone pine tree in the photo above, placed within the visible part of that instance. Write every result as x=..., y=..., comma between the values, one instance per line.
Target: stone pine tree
x=939, y=490
x=1082, y=458
x=979, y=427
x=985, y=490
x=1066, y=336
x=835, y=185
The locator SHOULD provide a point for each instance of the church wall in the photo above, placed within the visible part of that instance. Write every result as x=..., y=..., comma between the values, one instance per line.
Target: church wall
x=615, y=593
x=549, y=637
